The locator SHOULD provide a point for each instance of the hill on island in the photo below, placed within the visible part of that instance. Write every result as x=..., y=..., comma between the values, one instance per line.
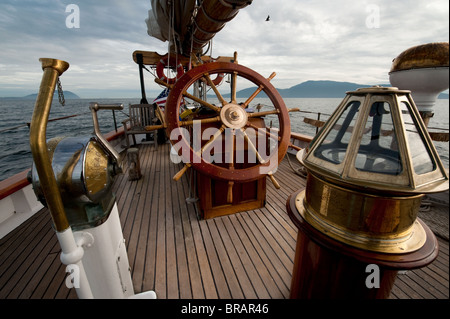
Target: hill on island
x=67, y=95
x=316, y=89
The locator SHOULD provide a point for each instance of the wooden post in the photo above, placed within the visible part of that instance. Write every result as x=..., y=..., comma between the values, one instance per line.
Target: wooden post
x=325, y=268
x=426, y=116
x=134, y=172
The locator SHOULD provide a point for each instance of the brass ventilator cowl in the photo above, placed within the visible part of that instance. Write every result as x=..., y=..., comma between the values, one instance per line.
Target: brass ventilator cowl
x=368, y=169
x=72, y=176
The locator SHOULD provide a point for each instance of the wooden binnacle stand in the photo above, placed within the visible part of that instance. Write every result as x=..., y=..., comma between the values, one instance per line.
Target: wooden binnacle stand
x=325, y=268
x=223, y=197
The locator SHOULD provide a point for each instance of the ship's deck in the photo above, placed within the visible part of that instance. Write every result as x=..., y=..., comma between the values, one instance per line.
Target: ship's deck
x=171, y=251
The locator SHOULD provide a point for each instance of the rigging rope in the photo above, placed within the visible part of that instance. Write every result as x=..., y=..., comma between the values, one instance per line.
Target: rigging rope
x=50, y=120
x=301, y=171
x=12, y=128
x=170, y=39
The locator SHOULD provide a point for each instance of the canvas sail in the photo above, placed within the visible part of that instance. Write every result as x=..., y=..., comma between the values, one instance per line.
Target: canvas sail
x=189, y=24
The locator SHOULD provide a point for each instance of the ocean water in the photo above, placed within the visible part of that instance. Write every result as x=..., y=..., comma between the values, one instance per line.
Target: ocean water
x=15, y=154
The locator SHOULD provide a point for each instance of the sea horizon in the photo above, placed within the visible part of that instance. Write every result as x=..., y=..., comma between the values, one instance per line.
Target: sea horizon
x=16, y=113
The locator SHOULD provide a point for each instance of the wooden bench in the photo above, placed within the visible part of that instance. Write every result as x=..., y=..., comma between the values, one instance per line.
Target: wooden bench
x=142, y=120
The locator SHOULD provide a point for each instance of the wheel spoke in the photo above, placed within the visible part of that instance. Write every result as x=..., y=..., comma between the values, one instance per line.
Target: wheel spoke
x=212, y=139
x=274, y=181
x=259, y=114
x=233, y=87
x=161, y=82
x=199, y=100
x=258, y=90
x=253, y=147
x=230, y=192
x=213, y=86
x=178, y=175
x=230, y=147
x=202, y=121
x=276, y=137
x=260, y=159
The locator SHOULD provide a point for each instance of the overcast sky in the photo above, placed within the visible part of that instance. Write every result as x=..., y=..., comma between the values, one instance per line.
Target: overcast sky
x=338, y=40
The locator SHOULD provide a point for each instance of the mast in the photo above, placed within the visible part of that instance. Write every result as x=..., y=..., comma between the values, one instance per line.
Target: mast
x=210, y=18
x=189, y=25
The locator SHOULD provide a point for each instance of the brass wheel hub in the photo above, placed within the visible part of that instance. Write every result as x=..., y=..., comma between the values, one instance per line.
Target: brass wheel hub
x=233, y=116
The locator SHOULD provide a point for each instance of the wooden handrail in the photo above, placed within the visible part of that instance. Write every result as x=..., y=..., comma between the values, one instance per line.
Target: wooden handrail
x=301, y=137
x=13, y=184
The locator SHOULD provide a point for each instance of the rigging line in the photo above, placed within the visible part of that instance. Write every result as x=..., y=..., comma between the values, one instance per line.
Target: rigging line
x=50, y=120
x=152, y=72
x=211, y=49
x=438, y=128
x=310, y=112
x=172, y=27
x=190, y=53
x=66, y=117
x=175, y=42
x=121, y=111
x=299, y=171
x=13, y=128
x=169, y=40
x=194, y=28
x=145, y=68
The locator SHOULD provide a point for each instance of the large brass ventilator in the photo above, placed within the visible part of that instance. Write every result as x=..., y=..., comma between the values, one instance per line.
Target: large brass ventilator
x=73, y=177
x=84, y=169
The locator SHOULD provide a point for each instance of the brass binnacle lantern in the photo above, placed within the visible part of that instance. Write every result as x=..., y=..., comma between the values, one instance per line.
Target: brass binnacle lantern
x=368, y=169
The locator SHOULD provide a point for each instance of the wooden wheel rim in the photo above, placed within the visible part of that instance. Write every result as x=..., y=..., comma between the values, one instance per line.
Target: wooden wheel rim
x=196, y=161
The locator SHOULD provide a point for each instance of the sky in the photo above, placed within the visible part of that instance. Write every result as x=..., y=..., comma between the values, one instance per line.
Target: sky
x=339, y=40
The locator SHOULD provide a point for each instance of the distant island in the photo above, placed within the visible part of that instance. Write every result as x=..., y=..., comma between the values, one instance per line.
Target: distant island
x=67, y=95
x=308, y=89
x=317, y=89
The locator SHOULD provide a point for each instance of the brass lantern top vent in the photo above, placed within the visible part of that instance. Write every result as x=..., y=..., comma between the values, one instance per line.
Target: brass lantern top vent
x=376, y=140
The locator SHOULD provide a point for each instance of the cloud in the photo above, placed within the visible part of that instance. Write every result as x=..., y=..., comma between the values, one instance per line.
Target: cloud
x=304, y=40
x=100, y=51
x=332, y=40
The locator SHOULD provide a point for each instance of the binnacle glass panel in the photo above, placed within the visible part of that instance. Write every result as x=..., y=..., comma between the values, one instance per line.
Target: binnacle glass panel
x=378, y=151
x=334, y=146
x=421, y=158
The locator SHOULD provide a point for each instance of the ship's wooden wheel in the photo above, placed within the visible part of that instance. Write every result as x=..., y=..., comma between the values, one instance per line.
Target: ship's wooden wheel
x=232, y=121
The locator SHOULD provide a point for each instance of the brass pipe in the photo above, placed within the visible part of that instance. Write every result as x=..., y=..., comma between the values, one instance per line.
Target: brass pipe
x=52, y=70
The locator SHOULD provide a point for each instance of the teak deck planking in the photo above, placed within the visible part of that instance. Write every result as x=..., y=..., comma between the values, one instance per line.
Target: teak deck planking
x=171, y=251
